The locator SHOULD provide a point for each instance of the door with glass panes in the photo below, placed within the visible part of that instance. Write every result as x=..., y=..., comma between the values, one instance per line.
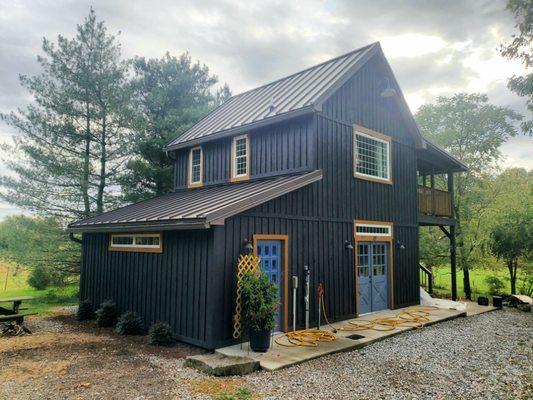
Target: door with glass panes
x=372, y=276
x=269, y=252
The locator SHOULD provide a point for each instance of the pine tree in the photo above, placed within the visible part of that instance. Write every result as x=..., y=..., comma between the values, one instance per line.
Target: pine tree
x=73, y=135
x=170, y=94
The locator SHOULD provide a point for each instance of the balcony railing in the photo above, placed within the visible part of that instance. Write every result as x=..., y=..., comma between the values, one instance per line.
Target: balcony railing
x=434, y=202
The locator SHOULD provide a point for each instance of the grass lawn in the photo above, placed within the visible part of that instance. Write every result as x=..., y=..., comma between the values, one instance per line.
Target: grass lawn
x=442, y=281
x=44, y=301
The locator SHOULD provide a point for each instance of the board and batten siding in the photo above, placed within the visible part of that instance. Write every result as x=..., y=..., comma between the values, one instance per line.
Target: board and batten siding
x=172, y=286
x=278, y=149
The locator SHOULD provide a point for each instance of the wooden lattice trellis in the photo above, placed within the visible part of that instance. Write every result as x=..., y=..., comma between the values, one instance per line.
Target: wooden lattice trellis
x=246, y=263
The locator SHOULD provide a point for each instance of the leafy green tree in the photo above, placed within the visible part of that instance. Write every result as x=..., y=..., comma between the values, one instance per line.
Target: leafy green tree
x=72, y=140
x=512, y=240
x=473, y=130
x=170, y=94
x=521, y=48
x=38, y=242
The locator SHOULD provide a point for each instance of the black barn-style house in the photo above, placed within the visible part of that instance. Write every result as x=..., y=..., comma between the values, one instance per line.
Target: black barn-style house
x=324, y=168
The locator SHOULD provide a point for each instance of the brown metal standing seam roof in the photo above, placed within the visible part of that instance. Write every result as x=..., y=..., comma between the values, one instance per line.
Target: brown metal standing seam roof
x=195, y=208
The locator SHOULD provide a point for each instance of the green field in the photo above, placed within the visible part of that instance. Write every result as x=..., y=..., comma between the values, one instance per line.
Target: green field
x=45, y=300
x=442, y=281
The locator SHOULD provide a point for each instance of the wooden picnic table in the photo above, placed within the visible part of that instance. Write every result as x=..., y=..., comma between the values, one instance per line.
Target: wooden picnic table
x=13, y=316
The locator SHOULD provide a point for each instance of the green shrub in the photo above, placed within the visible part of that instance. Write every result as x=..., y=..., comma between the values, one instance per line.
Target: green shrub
x=39, y=278
x=129, y=323
x=160, y=334
x=106, y=315
x=260, y=301
x=495, y=284
x=85, y=310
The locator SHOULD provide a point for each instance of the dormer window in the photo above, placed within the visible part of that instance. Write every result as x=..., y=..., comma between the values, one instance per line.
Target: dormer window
x=196, y=161
x=240, y=160
x=372, y=155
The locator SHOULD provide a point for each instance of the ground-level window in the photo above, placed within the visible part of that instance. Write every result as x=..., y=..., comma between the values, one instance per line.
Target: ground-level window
x=371, y=155
x=240, y=150
x=140, y=242
x=196, y=159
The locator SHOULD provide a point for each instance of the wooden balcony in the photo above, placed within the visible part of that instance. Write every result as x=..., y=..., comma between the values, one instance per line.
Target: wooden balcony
x=434, y=202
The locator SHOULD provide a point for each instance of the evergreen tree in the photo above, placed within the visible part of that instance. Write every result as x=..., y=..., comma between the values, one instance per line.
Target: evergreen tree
x=72, y=136
x=170, y=94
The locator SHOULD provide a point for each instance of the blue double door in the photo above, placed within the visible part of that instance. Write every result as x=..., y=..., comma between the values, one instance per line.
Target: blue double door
x=269, y=252
x=372, y=276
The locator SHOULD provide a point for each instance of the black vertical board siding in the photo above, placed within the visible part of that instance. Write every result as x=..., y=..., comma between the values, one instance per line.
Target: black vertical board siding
x=160, y=287
x=278, y=149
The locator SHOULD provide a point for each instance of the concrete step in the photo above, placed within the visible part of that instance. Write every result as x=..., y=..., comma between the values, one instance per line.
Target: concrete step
x=220, y=365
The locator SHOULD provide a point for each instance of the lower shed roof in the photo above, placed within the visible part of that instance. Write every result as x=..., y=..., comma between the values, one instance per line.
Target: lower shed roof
x=194, y=208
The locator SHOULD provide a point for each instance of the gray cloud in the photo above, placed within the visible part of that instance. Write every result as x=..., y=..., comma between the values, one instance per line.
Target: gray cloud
x=250, y=43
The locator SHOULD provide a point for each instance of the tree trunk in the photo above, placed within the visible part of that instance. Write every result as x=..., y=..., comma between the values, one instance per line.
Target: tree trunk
x=512, y=266
x=86, y=164
x=103, y=159
x=466, y=283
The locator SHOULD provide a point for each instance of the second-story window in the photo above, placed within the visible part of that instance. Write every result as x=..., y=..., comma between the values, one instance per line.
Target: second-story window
x=240, y=158
x=196, y=159
x=371, y=155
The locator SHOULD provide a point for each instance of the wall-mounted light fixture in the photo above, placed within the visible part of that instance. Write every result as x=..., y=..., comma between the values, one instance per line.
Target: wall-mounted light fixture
x=248, y=248
x=348, y=245
x=388, y=91
x=400, y=245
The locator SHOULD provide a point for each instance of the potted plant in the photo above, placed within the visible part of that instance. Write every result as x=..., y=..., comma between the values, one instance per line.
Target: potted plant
x=260, y=303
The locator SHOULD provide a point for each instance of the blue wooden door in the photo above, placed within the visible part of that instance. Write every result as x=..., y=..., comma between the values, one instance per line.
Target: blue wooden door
x=372, y=277
x=269, y=252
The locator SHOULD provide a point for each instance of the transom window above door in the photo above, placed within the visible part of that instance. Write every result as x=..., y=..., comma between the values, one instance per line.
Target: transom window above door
x=240, y=165
x=196, y=161
x=372, y=155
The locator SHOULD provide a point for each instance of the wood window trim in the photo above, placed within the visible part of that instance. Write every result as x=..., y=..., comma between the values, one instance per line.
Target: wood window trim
x=285, y=253
x=369, y=132
x=190, y=183
x=136, y=249
x=370, y=238
x=232, y=167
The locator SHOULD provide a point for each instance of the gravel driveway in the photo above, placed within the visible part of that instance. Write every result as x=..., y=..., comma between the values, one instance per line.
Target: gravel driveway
x=488, y=356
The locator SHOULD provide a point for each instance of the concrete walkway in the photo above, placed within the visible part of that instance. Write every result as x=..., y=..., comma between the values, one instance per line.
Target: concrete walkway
x=280, y=357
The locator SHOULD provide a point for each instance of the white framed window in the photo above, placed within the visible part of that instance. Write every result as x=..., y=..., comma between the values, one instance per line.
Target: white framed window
x=372, y=155
x=371, y=229
x=196, y=167
x=147, y=242
x=240, y=160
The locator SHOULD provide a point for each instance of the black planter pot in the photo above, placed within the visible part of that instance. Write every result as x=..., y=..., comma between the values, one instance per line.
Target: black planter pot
x=260, y=340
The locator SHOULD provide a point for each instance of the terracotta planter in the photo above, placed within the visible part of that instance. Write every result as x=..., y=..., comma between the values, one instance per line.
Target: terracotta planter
x=260, y=340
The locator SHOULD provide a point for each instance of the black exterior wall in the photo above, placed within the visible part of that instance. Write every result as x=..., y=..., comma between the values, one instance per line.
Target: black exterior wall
x=172, y=286
x=191, y=284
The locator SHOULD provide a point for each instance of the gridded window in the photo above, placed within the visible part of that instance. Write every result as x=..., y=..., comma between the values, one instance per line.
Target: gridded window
x=136, y=242
x=371, y=156
x=363, y=261
x=240, y=156
x=195, y=166
x=372, y=230
x=378, y=259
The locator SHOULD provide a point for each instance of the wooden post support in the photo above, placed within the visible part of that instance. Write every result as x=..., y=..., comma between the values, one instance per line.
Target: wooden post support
x=432, y=183
x=453, y=260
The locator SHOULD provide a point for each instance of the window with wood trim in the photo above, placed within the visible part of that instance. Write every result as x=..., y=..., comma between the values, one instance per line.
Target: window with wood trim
x=196, y=161
x=240, y=160
x=140, y=242
x=372, y=152
x=363, y=229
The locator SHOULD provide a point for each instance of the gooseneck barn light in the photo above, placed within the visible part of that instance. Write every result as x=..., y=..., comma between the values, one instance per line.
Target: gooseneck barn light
x=388, y=91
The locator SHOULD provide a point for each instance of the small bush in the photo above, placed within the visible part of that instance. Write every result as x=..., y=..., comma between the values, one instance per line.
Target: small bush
x=39, y=278
x=85, y=310
x=160, y=334
x=106, y=315
x=495, y=284
x=129, y=323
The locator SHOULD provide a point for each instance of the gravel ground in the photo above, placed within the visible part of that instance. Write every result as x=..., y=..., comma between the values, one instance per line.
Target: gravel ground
x=488, y=356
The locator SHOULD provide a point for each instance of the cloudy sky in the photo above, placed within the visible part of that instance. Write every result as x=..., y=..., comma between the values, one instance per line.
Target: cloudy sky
x=435, y=47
